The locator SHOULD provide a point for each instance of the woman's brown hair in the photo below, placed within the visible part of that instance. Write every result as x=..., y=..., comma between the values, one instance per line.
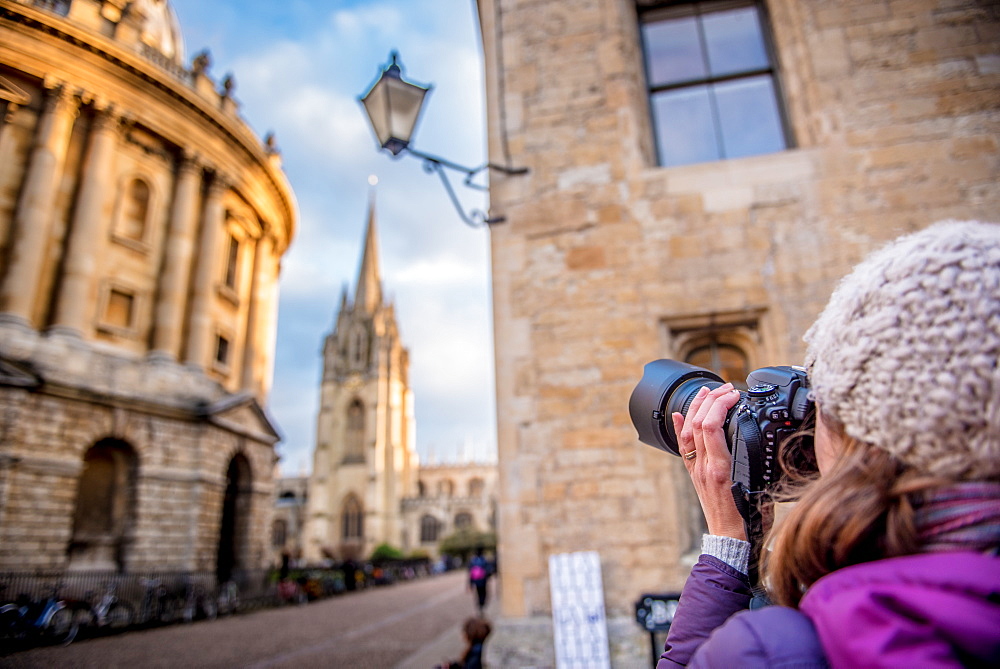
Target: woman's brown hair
x=861, y=510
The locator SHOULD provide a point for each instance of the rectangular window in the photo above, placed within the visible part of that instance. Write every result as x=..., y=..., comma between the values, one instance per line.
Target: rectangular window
x=713, y=88
x=222, y=351
x=118, y=312
x=232, y=262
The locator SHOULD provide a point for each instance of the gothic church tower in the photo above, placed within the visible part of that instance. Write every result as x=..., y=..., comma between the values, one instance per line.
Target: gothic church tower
x=365, y=460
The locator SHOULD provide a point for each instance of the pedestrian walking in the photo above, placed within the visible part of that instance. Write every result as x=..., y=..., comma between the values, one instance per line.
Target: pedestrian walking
x=479, y=574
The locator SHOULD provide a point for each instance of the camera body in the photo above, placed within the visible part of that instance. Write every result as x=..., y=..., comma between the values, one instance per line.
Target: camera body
x=774, y=406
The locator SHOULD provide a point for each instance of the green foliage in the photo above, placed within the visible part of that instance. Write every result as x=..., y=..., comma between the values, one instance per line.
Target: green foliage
x=386, y=552
x=419, y=554
x=465, y=542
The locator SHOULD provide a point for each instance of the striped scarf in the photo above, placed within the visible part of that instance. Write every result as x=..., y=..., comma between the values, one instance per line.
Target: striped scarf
x=963, y=516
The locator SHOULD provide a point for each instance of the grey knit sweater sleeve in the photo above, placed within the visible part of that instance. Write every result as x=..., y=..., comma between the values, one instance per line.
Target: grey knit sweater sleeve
x=734, y=552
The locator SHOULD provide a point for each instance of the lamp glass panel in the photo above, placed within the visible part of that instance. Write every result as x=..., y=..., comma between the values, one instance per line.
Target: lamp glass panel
x=376, y=104
x=404, y=101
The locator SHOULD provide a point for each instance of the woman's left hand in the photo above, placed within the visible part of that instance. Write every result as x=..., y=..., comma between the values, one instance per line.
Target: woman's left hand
x=706, y=456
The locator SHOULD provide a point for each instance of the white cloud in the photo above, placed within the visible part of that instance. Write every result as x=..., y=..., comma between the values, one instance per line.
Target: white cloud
x=300, y=76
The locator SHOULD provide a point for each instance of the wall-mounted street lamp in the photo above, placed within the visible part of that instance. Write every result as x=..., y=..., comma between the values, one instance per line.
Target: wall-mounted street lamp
x=393, y=105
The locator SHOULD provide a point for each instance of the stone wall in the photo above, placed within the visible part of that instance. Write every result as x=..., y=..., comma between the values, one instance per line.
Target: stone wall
x=607, y=261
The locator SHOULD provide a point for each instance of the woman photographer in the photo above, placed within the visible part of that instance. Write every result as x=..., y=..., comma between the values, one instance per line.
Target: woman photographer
x=890, y=556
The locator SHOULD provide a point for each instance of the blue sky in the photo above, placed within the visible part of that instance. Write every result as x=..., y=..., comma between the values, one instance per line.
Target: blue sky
x=299, y=67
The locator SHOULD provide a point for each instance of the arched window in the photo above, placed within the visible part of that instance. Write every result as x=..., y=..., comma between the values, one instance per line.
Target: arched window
x=463, y=521
x=476, y=487
x=445, y=488
x=430, y=527
x=358, y=346
x=353, y=519
x=135, y=210
x=105, y=505
x=355, y=450
x=421, y=489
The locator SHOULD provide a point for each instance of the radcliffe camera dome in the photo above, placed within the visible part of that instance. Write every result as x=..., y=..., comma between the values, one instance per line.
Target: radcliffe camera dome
x=159, y=27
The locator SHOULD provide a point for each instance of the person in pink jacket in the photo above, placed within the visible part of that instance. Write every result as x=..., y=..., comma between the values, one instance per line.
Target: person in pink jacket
x=889, y=557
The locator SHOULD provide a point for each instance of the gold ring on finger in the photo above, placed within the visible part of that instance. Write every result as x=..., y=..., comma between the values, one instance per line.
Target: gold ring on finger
x=691, y=456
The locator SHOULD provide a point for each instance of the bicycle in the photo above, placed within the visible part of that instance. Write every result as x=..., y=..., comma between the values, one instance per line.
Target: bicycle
x=198, y=603
x=158, y=605
x=228, y=599
x=50, y=621
x=109, y=613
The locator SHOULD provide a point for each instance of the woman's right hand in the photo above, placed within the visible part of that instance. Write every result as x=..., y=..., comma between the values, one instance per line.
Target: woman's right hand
x=711, y=465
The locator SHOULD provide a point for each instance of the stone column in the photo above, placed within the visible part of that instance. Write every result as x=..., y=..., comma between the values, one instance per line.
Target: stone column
x=257, y=314
x=33, y=215
x=206, y=274
x=171, y=299
x=88, y=230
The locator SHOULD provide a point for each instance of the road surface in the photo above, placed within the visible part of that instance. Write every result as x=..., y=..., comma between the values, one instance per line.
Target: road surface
x=409, y=625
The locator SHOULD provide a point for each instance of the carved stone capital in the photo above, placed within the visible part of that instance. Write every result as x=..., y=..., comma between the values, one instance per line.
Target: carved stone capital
x=188, y=162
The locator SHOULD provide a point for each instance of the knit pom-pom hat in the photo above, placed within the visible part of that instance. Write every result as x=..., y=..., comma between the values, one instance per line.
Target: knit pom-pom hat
x=905, y=355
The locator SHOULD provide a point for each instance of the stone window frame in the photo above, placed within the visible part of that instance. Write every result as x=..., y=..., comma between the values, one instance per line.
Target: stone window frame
x=142, y=244
x=477, y=486
x=650, y=10
x=682, y=334
x=241, y=226
x=279, y=532
x=354, y=434
x=464, y=520
x=429, y=535
x=101, y=324
x=352, y=518
x=219, y=366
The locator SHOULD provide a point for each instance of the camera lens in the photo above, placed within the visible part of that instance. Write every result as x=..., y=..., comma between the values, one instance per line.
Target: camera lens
x=666, y=386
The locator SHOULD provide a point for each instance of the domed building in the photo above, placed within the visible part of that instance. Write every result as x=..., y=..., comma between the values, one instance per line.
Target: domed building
x=142, y=223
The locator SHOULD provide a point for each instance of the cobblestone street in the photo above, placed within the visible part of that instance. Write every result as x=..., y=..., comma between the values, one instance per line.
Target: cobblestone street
x=409, y=625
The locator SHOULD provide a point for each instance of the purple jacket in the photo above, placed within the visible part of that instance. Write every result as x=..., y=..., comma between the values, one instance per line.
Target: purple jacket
x=930, y=610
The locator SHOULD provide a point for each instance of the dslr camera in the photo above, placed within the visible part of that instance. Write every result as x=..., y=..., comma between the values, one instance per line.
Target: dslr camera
x=775, y=405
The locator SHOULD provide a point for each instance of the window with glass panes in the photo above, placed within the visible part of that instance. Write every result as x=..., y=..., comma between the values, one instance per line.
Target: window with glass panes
x=713, y=88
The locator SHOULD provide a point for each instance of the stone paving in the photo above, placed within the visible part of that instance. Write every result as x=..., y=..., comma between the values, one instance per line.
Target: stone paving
x=410, y=626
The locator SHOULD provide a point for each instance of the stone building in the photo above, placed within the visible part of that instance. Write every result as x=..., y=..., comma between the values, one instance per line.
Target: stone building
x=367, y=486
x=291, y=495
x=141, y=227
x=453, y=497
x=365, y=459
x=701, y=174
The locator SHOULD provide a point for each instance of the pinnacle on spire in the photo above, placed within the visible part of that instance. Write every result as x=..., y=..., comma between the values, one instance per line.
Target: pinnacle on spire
x=368, y=295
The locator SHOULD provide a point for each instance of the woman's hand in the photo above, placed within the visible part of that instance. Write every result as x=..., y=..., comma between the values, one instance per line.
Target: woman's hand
x=710, y=466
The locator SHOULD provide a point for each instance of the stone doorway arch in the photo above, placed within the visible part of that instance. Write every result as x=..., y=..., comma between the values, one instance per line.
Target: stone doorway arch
x=104, y=512
x=234, y=527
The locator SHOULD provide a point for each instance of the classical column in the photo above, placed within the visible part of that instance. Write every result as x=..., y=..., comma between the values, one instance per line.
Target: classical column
x=206, y=275
x=88, y=230
x=172, y=290
x=33, y=215
x=255, y=311
x=267, y=319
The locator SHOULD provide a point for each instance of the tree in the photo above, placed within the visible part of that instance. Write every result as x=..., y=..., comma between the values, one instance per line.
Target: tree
x=465, y=542
x=384, y=552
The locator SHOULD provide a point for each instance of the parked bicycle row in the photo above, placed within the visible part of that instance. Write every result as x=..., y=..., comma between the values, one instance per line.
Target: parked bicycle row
x=71, y=607
x=57, y=608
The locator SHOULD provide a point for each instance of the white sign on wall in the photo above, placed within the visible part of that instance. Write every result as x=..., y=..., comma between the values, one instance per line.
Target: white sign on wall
x=581, y=629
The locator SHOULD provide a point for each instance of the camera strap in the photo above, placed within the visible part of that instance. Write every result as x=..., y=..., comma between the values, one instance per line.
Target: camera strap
x=749, y=505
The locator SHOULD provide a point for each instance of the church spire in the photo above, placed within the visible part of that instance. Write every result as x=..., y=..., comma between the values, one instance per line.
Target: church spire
x=369, y=287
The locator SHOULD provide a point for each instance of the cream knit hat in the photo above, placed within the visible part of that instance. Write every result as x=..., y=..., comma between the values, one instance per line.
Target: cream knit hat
x=906, y=353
